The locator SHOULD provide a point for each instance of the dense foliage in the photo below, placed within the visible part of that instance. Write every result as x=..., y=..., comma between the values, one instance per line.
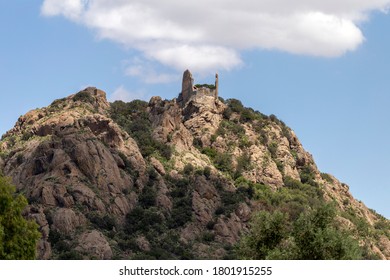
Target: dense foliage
x=18, y=236
x=315, y=235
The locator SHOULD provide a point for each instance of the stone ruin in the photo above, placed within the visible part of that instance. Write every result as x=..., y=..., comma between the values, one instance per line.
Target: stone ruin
x=189, y=90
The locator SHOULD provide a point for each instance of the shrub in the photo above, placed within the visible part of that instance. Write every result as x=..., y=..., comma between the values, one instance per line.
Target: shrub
x=181, y=212
x=247, y=115
x=143, y=220
x=210, y=86
x=105, y=222
x=327, y=177
x=83, y=96
x=207, y=172
x=243, y=162
x=308, y=176
x=148, y=197
x=273, y=148
x=235, y=105
x=210, y=225
x=20, y=159
x=26, y=135
x=210, y=152
x=208, y=236
x=182, y=203
x=188, y=169
x=227, y=113
x=197, y=142
x=223, y=161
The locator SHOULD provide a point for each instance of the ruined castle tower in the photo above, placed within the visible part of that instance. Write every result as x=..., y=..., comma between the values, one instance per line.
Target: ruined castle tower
x=188, y=90
x=216, y=85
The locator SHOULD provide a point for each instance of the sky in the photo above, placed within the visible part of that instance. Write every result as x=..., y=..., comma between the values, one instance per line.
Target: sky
x=323, y=67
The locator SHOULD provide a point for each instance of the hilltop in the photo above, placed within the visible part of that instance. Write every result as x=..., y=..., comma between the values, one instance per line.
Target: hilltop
x=196, y=177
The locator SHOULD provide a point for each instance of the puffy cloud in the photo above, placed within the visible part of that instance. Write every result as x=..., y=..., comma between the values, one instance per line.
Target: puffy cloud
x=209, y=35
x=146, y=71
x=71, y=9
x=121, y=93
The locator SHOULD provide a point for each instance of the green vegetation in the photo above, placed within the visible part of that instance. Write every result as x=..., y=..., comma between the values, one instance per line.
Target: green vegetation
x=313, y=236
x=327, y=177
x=210, y=86
x=83, y=96
x=18, y=236
x=133, y=118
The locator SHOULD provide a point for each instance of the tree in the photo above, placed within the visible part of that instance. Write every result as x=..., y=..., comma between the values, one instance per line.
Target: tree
x=266, y=233
x=18, y=236
x=318, y=239
x=313, y=236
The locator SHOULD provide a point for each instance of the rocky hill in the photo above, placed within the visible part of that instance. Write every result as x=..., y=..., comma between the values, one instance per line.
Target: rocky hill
x=170, y=179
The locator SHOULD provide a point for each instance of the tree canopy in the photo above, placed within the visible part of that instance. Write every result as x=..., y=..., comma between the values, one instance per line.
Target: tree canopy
x=313, y=236
x=18, y=236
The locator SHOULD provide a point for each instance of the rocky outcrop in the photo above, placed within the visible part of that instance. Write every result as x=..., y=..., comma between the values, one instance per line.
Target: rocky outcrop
x=68, y=156
x=95, y=245
x=83, y=175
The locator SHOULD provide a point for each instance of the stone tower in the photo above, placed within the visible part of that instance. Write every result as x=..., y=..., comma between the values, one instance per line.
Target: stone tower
x=187, y=88
x=216, y=85
x=189, y=91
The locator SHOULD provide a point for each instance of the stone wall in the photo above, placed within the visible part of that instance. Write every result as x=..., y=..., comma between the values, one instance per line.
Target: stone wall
x=188, y=90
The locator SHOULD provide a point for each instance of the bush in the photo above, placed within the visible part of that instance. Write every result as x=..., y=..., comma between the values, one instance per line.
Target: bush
x=210, y=152
x=188, y=169
x=308, y=176
x=227, y=113
x=273, y=148
x=267, y=231
x=27, y=135
x=223, y=161
x=197, y=142
x=83, y=96
x=208, y=237
x=207, y=172
x=235, y=105
x=148, y=197
x=247, y=115
x=144, y=221
x=105, y=222
x=243, y=163
x=327, y=177
x=182, y=203
x=210, y=86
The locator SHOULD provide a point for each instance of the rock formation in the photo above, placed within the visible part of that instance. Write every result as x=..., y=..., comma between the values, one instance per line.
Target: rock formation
x=168, y=178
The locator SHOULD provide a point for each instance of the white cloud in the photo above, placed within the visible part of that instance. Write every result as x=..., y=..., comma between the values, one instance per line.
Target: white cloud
x=209, y=35
x=71, y=9
x=121, y=93
x=145, y=71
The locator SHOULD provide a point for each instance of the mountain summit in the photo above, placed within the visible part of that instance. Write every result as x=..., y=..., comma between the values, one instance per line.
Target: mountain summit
x=196, y=177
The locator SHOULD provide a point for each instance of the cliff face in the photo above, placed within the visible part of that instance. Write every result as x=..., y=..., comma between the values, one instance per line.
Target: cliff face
x=163, y=179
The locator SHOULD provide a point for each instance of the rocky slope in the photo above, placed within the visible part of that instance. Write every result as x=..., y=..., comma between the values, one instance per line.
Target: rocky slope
x=163, y=179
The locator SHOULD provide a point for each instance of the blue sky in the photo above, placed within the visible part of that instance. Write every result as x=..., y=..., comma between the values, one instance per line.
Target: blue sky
x=320, y=66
